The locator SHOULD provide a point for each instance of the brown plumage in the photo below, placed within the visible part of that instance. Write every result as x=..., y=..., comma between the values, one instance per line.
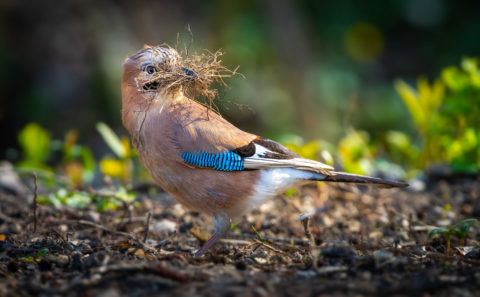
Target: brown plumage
x=167, y=129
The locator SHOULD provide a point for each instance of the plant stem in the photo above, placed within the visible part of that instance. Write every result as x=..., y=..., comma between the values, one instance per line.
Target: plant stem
x=448, y=247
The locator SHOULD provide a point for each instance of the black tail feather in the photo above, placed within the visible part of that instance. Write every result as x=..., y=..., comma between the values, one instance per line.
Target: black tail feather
x=344, y=177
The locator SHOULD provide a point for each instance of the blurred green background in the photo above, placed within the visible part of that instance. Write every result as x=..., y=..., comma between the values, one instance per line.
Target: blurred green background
x=312, y=69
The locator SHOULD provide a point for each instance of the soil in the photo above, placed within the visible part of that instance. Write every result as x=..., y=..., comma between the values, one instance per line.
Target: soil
x=353, y=241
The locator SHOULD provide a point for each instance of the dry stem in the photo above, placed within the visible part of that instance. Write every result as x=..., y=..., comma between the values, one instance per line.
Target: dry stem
x=147, y=227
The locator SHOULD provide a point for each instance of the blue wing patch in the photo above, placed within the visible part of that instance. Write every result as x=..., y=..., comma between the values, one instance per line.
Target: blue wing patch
x=223, y=161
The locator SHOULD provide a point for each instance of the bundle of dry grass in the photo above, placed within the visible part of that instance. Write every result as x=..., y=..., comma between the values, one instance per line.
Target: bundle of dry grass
x=194, y=74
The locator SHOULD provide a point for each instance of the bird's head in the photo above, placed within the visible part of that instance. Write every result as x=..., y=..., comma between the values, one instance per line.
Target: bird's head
x=155, y=70
x=162, y=70
x=160, y=73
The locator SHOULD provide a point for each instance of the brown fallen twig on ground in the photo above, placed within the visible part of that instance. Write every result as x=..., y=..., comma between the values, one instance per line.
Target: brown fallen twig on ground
x=259, y=242
x=268, y=246
x=248, y=246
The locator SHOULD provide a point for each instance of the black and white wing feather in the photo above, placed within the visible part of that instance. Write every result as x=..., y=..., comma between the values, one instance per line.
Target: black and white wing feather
x=264, y=153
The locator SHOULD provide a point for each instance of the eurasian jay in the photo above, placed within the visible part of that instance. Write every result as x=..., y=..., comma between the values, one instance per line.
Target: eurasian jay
x=205, y=162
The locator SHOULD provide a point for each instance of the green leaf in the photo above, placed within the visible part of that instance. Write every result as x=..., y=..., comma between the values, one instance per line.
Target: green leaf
x=258, y=234
x=470, y=65
x=42, y=252
x=112, y=140
x=233, y=226
x=123, y=194
x=460, y=229
x=410, y=98
x=35, y=144
x=468, y=222
x=430, y=97
x=470, y=140
x=446, y=115
x=424, y=93
x=437, y=94
x=454, y=78
x=437, y=231
x=464, y=229
x=355, y=153
x=327, y=157
x=43, y=200
x=447, y=207
x=88, y=163
x=308, y=150
x=399, y=140
x=104, y=204
x=26, y=259
x=78, y=199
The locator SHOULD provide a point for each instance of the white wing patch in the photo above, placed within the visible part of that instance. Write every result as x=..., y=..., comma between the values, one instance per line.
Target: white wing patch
x=260, y=150
x=260, y=161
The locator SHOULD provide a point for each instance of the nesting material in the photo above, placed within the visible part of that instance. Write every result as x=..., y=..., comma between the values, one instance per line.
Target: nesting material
x=194, y=74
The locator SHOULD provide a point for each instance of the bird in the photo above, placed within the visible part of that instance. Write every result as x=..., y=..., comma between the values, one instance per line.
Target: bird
x=205, y=162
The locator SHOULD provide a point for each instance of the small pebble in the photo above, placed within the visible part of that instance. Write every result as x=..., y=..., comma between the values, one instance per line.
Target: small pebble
x=165, y=226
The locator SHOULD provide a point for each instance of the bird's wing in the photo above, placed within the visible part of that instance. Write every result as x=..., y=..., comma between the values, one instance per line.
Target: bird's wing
x=270, y=154
x=203, y=141
x=201, y=137
x=208, y=140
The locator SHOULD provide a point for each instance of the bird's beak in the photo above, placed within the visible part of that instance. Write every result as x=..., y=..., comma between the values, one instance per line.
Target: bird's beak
x=190, y=72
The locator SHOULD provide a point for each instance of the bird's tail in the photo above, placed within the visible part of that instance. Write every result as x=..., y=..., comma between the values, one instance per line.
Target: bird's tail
x=343, y=177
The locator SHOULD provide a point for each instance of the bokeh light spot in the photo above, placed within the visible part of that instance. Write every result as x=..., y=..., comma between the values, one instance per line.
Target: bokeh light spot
x=363, y=42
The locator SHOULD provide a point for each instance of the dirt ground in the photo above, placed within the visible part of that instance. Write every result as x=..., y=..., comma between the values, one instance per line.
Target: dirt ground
x=349, y=241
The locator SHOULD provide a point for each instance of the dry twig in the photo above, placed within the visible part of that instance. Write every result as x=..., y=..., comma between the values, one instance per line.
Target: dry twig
x=268, y=246
x=306, y=228
x=147, y=227
x=248, y=246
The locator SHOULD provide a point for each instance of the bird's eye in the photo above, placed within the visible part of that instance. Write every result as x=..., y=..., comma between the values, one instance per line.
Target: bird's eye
x=150, y=69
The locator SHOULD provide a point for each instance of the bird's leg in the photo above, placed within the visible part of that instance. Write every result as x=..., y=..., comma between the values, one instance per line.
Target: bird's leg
x=222, y=224
x=209, y=243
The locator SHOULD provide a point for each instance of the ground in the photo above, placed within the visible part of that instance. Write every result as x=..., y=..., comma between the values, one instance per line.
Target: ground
x=352, y=242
